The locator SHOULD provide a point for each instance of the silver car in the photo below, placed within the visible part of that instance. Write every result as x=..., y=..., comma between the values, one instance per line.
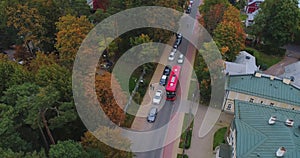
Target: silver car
x=180, y=59
x=172, y=56
x=152, y=115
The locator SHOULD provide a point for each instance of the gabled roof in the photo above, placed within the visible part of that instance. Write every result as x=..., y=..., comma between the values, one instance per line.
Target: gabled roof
x=254, y=136
x=254, y=1
x=264, y=87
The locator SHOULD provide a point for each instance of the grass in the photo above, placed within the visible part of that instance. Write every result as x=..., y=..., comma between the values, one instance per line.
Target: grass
x=263, y=59
x=243, y=17
x=187, y=132
x=193, y=87
x=182, y=156
x=140, y=93
x=219, y=137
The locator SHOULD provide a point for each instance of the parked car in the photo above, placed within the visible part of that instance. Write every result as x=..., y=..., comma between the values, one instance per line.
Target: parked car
x=167, y=70
x=163, y=80
x=152, y=114
x=175, y=46
x=171, y=56
x=157, y=97
x=179, y=36
x=174, y=50
x=180, y=59
x=188, y=10
x=177, y=42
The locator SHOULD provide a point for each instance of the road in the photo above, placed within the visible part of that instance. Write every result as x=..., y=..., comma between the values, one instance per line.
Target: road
x=169, y=108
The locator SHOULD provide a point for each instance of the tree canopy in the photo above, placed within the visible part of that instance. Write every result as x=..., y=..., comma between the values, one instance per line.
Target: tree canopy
x=277, y=22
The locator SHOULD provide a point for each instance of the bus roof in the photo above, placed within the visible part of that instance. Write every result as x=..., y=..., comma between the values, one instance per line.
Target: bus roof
x=173, y=79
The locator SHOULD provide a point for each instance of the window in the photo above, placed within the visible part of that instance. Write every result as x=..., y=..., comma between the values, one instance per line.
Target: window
x=261, y=102
x=272, y=104
x=251, y=100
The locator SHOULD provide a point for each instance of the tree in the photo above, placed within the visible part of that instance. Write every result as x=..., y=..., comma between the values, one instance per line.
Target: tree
x=213, y=17
x=277, y=22
x=29, y=24
x=71, y=32
x=8, y=153
x=229, y=34
x=104, y=84
x=205, y=8
x=12, y=74
x=8, y=128
x=67, y=149
x=57, y=77
x=110, y=135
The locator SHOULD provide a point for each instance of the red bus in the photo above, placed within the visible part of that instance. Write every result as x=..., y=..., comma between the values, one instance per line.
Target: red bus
x=173, y=82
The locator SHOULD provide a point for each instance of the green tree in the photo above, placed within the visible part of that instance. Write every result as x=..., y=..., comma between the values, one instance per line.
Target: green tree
x=8, y=135
x=67, y=149
x=111, y=135
x=12, y=74
x=277, y=22
x=8, y=153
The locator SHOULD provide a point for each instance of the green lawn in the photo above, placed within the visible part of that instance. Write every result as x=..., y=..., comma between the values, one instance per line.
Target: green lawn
x=219, y=137
x=182, y=156
x=187, y=132
x=262, y=59
x=243, y=17
x=193, y=87
x=140, y=93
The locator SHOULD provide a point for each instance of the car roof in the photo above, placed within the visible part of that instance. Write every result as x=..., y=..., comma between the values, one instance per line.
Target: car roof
x=153, y=110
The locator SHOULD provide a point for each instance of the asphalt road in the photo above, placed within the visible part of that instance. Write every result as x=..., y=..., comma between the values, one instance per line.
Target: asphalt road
x=164, y=115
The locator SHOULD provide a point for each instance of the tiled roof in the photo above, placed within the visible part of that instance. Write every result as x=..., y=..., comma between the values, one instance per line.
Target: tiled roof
x=256, y=138
x=264, y=87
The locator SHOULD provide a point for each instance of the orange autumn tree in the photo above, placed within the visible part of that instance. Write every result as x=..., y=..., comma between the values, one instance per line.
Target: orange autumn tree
x=213, y=17
x=230, y=35
x=71, y=32
x=104, y=84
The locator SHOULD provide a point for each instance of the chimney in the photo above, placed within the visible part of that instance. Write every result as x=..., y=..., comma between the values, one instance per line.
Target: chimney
x=286, y=81
x=257, y=74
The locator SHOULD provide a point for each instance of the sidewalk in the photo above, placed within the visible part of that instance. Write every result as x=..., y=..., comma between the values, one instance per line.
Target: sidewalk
x=203, y=147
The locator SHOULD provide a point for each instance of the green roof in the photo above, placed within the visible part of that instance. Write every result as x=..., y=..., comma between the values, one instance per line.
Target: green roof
x=264, y=87
x=256, y=138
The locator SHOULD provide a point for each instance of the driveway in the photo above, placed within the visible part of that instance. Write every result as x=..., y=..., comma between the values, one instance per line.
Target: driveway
x=292, y=55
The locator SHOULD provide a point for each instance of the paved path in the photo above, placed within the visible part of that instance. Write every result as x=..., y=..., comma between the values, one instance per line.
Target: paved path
x=202, y=147
x=292, y=56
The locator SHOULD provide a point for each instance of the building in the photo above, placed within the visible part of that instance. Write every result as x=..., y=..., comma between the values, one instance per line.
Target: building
x=292, y=71
x=263, y=89
x=97, y=4
x=251, y=10
x=244, y=64
x=252, y=135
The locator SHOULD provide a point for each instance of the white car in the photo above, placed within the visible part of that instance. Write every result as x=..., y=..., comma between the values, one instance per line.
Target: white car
x=180, y=59
x=172, y=56
x=174, y=50
x=157, y=97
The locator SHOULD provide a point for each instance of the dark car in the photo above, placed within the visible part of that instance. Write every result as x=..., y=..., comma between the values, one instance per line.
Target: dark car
x=178, y=41
x=188, y=10
x=167, y=70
